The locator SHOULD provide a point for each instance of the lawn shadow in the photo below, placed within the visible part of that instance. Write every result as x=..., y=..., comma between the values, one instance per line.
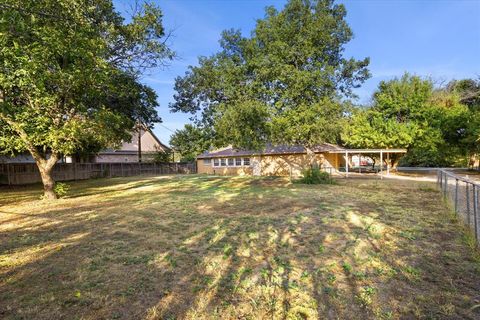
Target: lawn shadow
x=201, y=246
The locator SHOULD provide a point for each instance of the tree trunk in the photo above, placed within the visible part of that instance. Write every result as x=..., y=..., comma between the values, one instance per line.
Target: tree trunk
x=48, y=182
x=45, y=166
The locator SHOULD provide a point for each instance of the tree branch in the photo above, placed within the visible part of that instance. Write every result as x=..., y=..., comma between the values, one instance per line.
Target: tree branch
x=24, y=136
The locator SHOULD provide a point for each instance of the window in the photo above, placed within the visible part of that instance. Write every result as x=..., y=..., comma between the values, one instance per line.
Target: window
x=246, y=161
x=223, y=162
x=230, y=162
x=216, y=163
x=238, y=162
x=207, y=162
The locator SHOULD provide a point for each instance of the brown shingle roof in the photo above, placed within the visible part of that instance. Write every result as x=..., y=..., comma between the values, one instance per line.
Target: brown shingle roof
x=269, y=150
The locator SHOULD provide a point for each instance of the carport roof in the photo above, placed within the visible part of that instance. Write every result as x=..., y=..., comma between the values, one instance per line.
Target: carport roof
x=354, y=151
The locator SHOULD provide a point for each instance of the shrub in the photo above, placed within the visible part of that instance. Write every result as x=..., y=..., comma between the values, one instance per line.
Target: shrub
x=315, y=176
x=162, y=156
x=61, y=189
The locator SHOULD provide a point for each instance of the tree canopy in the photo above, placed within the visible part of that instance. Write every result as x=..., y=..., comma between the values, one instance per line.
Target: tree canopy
x=409, y=112
x=282, y=84
x=190, y=142
x=69, y=76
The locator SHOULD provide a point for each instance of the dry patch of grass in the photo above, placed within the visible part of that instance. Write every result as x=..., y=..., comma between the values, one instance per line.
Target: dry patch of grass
x=199, y=247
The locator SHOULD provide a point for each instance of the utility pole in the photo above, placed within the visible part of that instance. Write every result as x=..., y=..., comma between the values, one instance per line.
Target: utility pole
x=139, y=143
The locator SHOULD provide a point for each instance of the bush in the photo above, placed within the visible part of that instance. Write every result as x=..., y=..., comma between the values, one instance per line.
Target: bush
x=315, y=176
x=162, y=156
x=61, y=189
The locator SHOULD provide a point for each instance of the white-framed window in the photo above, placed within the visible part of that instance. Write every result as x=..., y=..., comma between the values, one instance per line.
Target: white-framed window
x=216, y=162
x=246, y=161
x=223, y=162
x=207, y=162
x=238, y=162
x=231, y=162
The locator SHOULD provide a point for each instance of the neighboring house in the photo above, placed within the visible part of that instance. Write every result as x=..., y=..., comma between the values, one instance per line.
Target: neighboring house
x=272, y=161
x=23, y=157
x=128, y=152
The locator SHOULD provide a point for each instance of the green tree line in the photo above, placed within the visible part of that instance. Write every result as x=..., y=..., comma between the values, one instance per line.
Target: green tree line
x=289, y=82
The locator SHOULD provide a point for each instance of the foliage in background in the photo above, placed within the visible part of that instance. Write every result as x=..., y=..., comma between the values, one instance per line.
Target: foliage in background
x=282, y=84
x=69, y=76
x=468, y=92
x=162, y=156
x=190, y=142
x=408, y=112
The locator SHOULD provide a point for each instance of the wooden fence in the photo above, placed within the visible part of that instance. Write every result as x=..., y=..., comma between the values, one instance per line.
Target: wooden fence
x=25, y=173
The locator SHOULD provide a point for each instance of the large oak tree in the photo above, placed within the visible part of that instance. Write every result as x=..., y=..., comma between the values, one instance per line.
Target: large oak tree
x=69, y=76
x=282, y=84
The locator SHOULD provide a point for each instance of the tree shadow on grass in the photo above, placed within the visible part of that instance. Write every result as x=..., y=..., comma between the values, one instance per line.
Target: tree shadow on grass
x=207, y=246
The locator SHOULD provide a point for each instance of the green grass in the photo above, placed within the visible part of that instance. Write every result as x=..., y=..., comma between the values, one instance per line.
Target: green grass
x=202, y=247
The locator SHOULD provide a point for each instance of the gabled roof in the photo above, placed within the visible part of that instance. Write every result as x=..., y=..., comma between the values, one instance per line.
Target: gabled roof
x=131, y=147
x=158, y=141
x=269, y=150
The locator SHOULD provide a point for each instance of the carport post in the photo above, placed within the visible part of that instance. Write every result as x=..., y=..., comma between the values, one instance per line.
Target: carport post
x=388, y=164
x=381, y=164
x=359, y=163
x=346, y=163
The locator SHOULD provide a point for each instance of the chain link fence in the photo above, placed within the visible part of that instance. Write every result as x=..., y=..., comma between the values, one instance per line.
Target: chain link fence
x=464, y=195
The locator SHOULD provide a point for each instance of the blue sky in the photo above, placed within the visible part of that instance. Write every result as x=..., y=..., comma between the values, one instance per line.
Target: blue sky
x=437, y=39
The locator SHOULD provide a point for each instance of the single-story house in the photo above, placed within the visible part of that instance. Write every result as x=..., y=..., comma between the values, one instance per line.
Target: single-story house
x=272, y=161
x=284, y=160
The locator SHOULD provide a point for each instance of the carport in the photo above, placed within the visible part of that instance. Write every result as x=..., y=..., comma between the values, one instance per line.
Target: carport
x=383, y=153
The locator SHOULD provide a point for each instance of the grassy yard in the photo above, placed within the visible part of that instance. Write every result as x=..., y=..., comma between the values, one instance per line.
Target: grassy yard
x=198, y=247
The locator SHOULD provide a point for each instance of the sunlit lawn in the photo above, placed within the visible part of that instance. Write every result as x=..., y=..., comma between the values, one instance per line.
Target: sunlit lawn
x=198, y=247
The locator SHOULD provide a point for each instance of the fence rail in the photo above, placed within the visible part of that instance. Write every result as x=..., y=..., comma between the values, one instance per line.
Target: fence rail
x=464, y=195
x=26, y=173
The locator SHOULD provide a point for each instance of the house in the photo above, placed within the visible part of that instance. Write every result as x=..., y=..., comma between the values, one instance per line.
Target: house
x=289, y=160
x=143, y=139
x=272, y=161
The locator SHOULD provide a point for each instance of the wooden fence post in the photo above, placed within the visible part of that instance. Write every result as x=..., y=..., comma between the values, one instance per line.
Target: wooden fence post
x=8, y=173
